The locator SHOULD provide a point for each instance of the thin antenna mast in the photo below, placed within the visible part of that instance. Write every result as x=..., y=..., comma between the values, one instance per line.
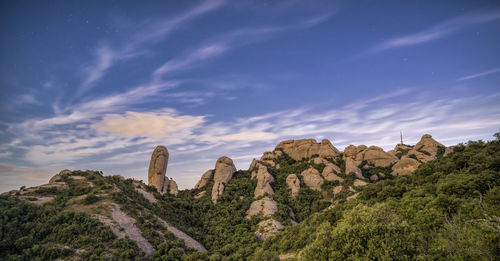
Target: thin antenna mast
x=401, y=135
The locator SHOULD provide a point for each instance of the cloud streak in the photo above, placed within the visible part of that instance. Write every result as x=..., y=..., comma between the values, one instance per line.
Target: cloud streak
x=438, y=31
x=477, y=75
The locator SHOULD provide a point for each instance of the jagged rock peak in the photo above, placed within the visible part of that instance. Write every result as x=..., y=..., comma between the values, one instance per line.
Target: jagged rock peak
x=224, y=170
x=306, y=148
x=158, y=168
x=205, y=178
x=264, y=178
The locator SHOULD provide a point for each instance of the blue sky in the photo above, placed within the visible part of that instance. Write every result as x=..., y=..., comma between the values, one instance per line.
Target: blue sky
x=98, y=84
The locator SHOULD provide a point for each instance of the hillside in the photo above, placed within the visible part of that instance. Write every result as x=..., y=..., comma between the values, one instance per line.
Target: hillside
x=304, y=200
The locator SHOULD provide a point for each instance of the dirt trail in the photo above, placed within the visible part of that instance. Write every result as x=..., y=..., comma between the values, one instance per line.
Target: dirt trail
x=189, y=241
x=150, y=197
x=127, y=223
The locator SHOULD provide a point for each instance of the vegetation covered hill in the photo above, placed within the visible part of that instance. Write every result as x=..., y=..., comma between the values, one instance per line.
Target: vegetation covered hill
x=448, y=209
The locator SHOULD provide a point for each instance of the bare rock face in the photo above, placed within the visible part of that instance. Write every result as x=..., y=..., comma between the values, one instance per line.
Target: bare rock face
x=268, y=228
x=264, y=178
x=351, y=164
x=378, y=157
x=268, y=158
x=293, y=182
x=405, y=166
x=312, y=178
x=253, y=164
x=359, y=183
x=306, y=148
x=224, y=170
x=264, y=207
x=158, y=168
x=352, y=167
x=58, y=176
x=426, y=149
x=330, y=173
x=205, y=178
x=170, y=187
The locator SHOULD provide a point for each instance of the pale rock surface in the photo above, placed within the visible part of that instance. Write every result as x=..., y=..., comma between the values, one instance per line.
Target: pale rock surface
x=337, y=190
x=378, y=157
x=268, y=228
x=352, y=167
x=264, y=207
x=268, y=158
x=205, y=178
x=158, y=168
x=224, y=170
x=330, y=173
x=359, y=183
x=264, y=178
x=253, y=164
x=200, y=195
x=306, y=148
x=169, y=186
x=405, y=166
x=374, y=177
x=312, y=178
x=293, y=182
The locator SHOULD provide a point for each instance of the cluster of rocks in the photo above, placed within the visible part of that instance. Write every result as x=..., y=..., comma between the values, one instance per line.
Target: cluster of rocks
x=402, y=160
x=221, y=174
x=157, y=171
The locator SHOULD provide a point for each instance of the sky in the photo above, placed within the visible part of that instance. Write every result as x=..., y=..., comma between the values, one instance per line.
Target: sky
x=99, y=84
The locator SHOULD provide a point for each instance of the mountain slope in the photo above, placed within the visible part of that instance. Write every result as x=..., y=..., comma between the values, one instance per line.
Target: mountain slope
x=300, y=198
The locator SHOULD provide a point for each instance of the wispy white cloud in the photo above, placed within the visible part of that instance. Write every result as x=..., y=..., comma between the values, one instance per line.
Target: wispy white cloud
x=226, y=42
x=92, y=73
x=149, y=33
x=438, y=31
x=477, y=75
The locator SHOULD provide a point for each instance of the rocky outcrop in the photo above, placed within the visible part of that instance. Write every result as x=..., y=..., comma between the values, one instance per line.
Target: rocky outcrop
x=253, y=164
x=264, y=178
x=264, y=207
x=293, y=183
x=378, y=157
x=268, y=228
x=224, y=170
x=170, y=186
x=58, y=177
x=312, y=178
x=158, y=168
x=268, y=158
x=405, y=166
x=205, y=178
x=352, y=167
x=306, y=148
x=426, y=149
x=330, y=173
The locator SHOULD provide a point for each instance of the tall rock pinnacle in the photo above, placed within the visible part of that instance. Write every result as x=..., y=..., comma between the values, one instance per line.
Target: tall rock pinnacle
x=158, y=168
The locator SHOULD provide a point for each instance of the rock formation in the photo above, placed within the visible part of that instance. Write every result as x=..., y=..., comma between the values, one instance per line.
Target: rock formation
x=378, y=157
x=170, y=186
x=426, y=149
x=205, y=178
x=293, y=182
x=268, y=158
x=263, y=182
x=312, y=178
x=267, y=228
x=224, y=170
x=405, y=166
x=330, y=173
x=264, y=207
x=306, y=148
x=158, y=167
